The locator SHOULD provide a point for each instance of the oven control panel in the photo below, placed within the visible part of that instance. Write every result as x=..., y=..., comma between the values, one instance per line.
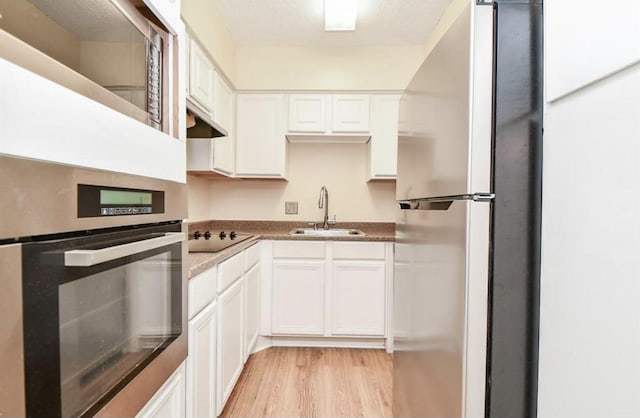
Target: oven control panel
x=96, y=201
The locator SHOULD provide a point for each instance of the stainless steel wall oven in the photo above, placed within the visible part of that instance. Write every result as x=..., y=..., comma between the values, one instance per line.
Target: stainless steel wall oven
x=92, y=286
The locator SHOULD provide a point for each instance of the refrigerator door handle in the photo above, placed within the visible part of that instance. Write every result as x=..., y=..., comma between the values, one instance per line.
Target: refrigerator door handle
x=442, y=202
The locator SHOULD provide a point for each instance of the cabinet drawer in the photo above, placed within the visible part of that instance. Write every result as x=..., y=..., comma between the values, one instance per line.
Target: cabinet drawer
x=358, y=250
x=231, y=270
x=253, y=255
x=202, y=290
x=298, y=249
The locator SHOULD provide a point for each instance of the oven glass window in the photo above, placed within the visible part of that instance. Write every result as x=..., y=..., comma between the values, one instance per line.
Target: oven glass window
x=111, y=322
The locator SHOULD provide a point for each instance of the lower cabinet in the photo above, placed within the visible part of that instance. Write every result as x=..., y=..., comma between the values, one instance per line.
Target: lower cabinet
x=252, y=304
x=169, y=401
x=230, y=340
x=298, y=297
x=201, y=367
x=223, y=328
x=329, y=289
x=358, y=298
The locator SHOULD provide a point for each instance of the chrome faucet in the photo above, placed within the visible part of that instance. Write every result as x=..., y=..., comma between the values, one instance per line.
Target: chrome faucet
x=323, y=202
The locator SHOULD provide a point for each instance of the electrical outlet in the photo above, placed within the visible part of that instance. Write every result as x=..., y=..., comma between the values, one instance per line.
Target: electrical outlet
x=291, y=208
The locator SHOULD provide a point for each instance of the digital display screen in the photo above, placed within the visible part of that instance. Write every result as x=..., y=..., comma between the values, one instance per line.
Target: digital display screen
x=124, y=197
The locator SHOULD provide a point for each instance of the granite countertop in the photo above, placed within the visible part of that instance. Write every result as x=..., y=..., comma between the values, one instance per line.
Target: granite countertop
x=276, y=230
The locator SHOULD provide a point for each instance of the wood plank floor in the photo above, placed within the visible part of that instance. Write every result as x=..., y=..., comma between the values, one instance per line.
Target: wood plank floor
x=313, y=382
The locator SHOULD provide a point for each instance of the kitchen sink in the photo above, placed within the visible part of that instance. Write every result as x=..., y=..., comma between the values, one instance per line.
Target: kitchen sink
x=327, y=232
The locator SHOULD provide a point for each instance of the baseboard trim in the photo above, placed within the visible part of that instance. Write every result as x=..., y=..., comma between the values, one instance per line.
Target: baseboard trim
x=320, y=342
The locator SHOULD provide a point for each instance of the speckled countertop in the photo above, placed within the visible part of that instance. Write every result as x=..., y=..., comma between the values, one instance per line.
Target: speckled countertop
x=276, y=230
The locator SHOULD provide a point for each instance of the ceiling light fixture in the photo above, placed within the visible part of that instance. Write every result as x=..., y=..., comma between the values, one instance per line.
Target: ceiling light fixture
x=340, y=15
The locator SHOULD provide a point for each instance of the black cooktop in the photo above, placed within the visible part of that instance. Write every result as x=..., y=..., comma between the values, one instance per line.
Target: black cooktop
x=208, y=242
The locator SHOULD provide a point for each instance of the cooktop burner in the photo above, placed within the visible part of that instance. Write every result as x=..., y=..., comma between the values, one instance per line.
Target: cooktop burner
x=212, y=243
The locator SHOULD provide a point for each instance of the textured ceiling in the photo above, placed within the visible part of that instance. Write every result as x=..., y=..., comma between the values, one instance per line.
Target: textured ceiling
x=300, y=22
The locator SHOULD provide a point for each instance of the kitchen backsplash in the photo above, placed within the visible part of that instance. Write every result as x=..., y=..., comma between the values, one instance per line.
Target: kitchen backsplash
x=340, y=167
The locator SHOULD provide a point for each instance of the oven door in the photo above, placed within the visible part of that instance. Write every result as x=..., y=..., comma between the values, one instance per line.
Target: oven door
x=98, y=309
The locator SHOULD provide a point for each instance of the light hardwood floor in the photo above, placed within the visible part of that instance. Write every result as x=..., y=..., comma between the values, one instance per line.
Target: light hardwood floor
x=313, y=382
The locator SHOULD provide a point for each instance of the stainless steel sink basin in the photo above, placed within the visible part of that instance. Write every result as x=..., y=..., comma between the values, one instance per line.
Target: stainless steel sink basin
x=327, y=232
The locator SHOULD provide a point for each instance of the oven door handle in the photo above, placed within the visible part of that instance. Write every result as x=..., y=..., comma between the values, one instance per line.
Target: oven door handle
x=88, y=258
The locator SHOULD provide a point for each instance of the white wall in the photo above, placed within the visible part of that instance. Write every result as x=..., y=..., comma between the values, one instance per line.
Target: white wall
x=449, y=16
x=199, y=195
x=590, y=284
x=206, y=24
x=340, y=167
x=334, y=68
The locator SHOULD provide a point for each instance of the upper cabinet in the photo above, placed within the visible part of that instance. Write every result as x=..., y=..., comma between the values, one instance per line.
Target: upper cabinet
x=307, y=113
x=328, y=117
x=223, y=105
x=201, y=78
x=382, y=149
x=212, y=99
x=260, y=135
x=259, y=124
x=350, y=113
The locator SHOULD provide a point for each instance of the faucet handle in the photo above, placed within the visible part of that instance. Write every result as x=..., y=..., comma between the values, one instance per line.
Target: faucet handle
x=332, y=221
x=313, y=224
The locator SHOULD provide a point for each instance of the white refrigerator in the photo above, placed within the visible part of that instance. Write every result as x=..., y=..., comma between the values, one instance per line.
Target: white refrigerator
x=466, y=272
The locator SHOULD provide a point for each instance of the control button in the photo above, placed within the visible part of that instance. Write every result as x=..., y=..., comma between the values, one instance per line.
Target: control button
x=232, y=235
x=197, y=235
x=222, y=235
x=207, y=234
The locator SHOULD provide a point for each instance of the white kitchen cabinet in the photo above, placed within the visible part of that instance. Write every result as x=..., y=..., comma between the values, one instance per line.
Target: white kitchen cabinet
x=307, y=113
x=201, y=364
x=358, y=298
x=252, y=310
x=230, y=350
x=298, y=297
x=223, y=104
x=329, y=288
x=201, y=78
x=224, y=112
x=331, y=118
x=260, y=135
x=168, y=402
x=201, y=358
x=382, y=149
x=350, y=113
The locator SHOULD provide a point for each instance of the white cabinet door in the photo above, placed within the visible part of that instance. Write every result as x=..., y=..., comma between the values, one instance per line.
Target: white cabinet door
x=252, y=296
x=223, y=103
x=168, y=402
x=224, y=113
x=599, y=42
x=298, y=297
x=307, y=113
x=260, y=135
x=201, y=364
x=383, y=145
x=350, y=113
x=201, y=77
x=224, y=154
x=358, y=298
x=230, y=350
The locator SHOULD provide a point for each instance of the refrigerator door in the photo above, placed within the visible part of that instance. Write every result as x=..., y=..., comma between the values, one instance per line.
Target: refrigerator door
x=442, y=233
x=444, y=139
x=440, y=305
